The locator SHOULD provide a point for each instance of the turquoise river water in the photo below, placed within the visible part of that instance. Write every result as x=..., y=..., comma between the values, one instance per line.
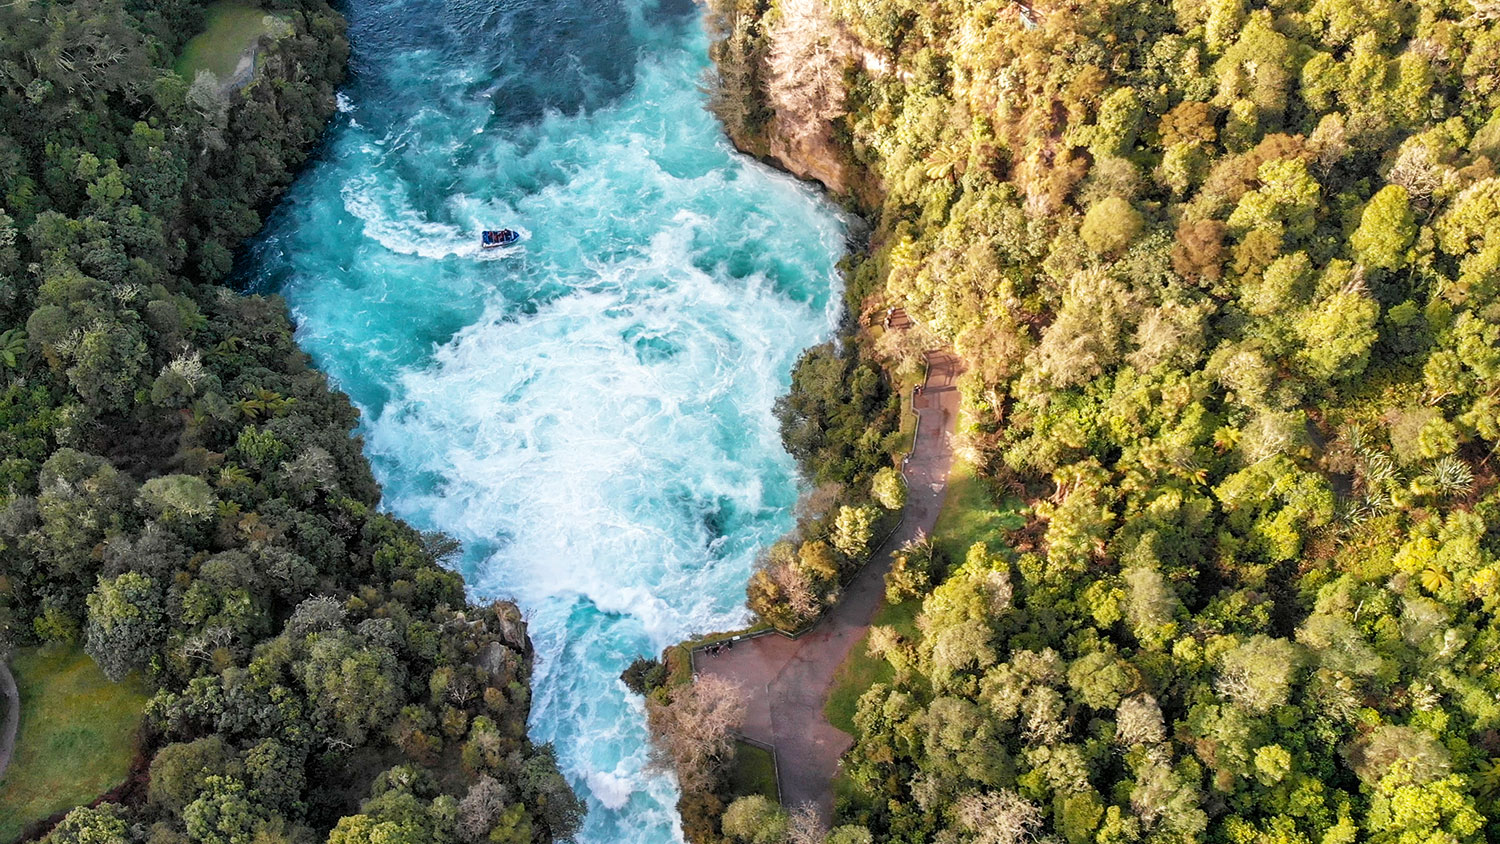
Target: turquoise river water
x=589, y=410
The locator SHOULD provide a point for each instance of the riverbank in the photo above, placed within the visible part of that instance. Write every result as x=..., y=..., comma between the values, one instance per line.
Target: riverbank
x=589, y=412
x=782, y=677
x=1220, y=290
x=786, y=680
x=191, y=507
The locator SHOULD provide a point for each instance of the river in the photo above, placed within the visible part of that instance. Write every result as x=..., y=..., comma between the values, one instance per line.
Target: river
x=589, y=411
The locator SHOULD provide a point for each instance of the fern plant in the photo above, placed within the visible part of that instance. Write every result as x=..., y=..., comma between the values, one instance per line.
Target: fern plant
x=13, y=348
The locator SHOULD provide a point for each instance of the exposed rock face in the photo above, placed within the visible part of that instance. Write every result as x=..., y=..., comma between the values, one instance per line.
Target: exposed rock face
x=807, y=56
x=814, y=156
x=513, y=629
x=783, y=91
x=500, y=661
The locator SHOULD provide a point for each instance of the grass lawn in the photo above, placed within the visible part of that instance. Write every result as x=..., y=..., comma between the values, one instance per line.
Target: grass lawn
x=754, y=772
x=906, y=435
x=970, y=514
x=861, y=670
x=77, y=735
x=230, y=28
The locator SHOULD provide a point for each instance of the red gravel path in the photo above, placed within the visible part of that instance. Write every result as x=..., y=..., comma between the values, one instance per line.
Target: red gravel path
x=786, y=681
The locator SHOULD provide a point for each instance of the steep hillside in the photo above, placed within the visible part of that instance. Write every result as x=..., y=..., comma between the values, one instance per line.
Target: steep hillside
x=181, y=491
x=1223, y=277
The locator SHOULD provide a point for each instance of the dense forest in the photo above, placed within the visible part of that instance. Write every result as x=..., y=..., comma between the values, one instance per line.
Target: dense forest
x=1223, y=278
x=838, y=422
x=181, y=492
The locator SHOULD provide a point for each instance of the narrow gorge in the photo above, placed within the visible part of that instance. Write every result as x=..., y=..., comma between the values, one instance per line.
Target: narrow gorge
x=588, y=411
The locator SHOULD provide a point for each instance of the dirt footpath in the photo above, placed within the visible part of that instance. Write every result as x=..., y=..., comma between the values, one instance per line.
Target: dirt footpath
x=786, y=681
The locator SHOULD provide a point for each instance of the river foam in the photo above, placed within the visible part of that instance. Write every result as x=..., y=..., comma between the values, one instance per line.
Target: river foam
x=588, y=410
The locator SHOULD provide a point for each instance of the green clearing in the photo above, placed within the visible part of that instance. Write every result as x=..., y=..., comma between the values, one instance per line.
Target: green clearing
x=77, y=735
x=861, y=670
x=230, y=28
x=754, y=772
x=971, y=514
x=907, y=434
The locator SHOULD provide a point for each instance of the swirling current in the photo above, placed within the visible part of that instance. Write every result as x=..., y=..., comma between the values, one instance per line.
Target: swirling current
x=588, y=410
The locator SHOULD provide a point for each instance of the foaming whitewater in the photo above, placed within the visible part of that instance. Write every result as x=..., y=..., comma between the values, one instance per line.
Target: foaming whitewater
x=588, y=409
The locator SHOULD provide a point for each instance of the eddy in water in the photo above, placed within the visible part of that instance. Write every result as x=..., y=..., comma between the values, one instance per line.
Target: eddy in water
x=590, y=411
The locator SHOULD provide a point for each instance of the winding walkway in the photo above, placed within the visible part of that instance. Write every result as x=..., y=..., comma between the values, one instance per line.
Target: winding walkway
x=12, y=716
x=786, y=681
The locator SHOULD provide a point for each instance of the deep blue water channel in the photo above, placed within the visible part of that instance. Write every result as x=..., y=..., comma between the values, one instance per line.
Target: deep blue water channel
x=589, y=410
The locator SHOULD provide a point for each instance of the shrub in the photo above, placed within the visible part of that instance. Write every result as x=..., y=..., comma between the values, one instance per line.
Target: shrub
x=1111, y=225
